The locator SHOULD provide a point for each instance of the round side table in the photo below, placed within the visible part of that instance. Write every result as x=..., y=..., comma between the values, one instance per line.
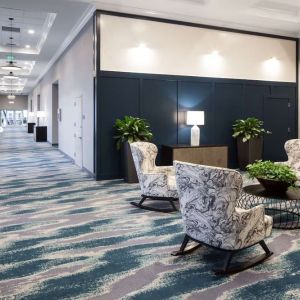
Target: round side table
x=284, y=208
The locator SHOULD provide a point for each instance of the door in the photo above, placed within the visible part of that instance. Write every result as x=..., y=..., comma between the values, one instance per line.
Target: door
x=277, y=119
x=55, y=119
x=78, y=153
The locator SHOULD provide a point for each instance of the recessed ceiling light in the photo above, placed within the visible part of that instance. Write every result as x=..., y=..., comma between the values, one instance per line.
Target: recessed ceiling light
x=31, y=31
x=27, y=46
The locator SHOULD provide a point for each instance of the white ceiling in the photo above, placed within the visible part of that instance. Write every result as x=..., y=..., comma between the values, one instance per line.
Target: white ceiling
x=280, y=17
x=53, y=22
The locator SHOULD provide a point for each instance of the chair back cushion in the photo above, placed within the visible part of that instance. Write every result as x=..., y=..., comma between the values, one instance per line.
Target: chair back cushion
x=292, y=148
x=208, y=198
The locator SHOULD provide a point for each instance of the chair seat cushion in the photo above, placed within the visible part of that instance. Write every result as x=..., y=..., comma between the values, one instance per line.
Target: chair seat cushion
x=172, y=189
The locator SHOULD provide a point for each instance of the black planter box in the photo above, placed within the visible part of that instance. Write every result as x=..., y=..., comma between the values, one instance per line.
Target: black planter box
x=30, y=127
x=249, y=152
x=40, y=134
x=129, y=171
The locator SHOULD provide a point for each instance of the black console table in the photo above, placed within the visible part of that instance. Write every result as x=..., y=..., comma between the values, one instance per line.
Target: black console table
x=40, y=133
x=30, y=127
x=284, y=207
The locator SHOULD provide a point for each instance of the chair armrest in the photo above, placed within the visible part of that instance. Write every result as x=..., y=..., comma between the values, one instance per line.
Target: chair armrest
x=256, y=212
x=157, y=178
x=250, y=225
x=168, y=170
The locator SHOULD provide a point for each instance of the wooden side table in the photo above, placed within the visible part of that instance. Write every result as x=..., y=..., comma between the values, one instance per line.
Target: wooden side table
x=40, y=133
x=210, y=155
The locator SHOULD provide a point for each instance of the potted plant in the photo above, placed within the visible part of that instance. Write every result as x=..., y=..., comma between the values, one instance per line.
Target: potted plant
x=249, y=134
x=129, y=130
x=274, y=177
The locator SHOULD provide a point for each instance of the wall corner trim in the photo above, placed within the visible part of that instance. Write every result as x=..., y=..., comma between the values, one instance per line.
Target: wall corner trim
x=86, y=16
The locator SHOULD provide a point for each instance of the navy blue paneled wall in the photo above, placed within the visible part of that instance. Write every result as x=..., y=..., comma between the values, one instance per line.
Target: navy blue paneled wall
x=163, y=101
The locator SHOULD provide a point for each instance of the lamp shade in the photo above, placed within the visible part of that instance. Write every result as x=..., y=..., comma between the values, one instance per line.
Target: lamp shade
x=195, y=118
x=41, y=114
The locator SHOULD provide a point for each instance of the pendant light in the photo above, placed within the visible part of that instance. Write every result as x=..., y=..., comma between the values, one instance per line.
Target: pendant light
x=11, y=96
x=10, y=76
x=11, y=66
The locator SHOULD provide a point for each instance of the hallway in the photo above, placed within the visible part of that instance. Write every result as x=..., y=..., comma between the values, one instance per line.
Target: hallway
x=49, y=208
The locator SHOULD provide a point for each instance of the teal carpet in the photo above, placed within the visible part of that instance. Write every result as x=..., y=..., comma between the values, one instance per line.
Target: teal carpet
x=65, y=236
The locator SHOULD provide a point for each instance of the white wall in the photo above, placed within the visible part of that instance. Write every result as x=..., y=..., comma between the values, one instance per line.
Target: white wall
x=74, y=73
x=133, y=45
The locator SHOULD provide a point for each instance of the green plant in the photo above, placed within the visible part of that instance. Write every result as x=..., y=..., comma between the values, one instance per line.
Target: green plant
x=132, y=129
x=248, y=129
x=269, y=170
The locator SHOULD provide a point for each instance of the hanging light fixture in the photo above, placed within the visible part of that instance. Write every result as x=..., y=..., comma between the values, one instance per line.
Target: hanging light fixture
x=10, y=76
x=11, y=96
x=11, y=66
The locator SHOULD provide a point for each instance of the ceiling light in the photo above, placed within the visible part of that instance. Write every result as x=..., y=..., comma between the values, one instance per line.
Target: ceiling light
x=11, y=97
x=31, y=31
x=27, y=46
x=10, y=76
x=11, y=66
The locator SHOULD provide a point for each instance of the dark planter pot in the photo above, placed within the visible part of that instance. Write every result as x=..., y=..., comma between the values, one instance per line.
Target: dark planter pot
x=273, y=186
x=130, y=175
x=249, y=152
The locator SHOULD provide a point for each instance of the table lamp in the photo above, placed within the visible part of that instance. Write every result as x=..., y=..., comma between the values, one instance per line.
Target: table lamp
x=31, y=116
x=195, y=118
x=40, y=115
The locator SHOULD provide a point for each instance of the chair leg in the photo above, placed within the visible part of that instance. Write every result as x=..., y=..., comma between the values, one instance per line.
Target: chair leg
x=173, y=205
x=163, y=210
x=184, y=243
x=245, y=265
x=265, y=247
x=227, y=261
x=142, y=200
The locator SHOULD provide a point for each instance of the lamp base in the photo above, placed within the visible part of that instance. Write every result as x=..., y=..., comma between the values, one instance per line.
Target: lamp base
x=195, y=136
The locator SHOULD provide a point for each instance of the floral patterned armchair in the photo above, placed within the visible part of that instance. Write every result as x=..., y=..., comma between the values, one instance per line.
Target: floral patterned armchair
x=156, y=183
x=208, y=197
x=292, y=148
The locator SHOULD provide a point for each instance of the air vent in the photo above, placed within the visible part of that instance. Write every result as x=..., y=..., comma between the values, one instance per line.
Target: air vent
x=11, y=29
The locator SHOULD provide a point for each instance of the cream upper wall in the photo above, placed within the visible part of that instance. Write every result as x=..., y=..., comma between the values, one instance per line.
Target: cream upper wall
x=141, y=46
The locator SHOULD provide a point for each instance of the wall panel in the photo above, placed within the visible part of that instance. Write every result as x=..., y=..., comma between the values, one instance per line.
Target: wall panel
x=118, y=97
x=157, y=98
x=158, y=105
x=229, y=107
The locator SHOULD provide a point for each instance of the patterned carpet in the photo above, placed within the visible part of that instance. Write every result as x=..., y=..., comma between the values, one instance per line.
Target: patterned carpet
x=65, y=236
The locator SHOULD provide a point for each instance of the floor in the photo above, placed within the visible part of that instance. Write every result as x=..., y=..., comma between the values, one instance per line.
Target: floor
x=65, y=236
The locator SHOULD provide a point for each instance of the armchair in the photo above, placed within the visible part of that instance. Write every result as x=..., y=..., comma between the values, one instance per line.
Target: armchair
x=292, y=149
x=156, y=183
x=208, y=197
